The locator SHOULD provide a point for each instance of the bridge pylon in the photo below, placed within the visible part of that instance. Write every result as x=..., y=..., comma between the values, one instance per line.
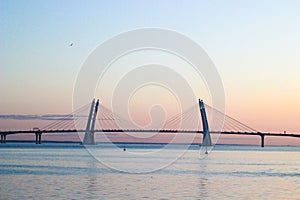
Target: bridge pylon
x=206, y=141
x=89, y=138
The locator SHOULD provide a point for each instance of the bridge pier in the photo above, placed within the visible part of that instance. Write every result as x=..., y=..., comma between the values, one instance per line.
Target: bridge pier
x=262, y=137
x=3, y=138
x=38, y=137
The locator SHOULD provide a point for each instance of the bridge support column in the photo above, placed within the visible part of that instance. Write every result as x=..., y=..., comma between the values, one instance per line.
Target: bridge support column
x=38, y=138
x=206, y=141
x=89, y=138
x=262, y=144
x=3, y=138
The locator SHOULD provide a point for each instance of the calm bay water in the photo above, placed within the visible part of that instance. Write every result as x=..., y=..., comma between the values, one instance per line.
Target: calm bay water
x=68, y=171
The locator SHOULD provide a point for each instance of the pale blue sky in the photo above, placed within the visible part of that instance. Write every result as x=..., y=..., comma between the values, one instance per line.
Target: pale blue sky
x=255, y=45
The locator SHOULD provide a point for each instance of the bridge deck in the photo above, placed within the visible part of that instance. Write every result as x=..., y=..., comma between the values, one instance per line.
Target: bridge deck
x=38, y=133
x=149, y=131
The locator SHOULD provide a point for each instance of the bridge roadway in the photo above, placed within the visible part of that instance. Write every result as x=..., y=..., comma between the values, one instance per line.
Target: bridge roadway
x=38, y=133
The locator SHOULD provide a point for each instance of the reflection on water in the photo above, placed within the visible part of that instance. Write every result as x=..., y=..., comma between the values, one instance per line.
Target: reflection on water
x=60, y=172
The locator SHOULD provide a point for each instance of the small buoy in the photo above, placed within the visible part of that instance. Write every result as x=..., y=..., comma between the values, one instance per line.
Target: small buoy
x=124, y=149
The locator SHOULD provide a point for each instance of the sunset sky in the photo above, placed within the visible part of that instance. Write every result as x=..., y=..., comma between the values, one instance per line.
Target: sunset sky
x=255, y=46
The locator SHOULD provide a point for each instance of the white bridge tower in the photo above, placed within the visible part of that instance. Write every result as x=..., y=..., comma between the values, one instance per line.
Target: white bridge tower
x=89, y=138
x=206, y=141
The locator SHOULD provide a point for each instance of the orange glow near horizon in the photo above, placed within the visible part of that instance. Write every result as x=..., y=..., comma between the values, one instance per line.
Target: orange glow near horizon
x=148, y=110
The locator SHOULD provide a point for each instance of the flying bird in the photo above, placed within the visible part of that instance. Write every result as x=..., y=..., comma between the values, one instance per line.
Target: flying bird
x=71, y=44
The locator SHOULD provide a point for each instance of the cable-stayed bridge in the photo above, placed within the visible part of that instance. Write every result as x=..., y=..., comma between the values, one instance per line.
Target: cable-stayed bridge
x=94, y=118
